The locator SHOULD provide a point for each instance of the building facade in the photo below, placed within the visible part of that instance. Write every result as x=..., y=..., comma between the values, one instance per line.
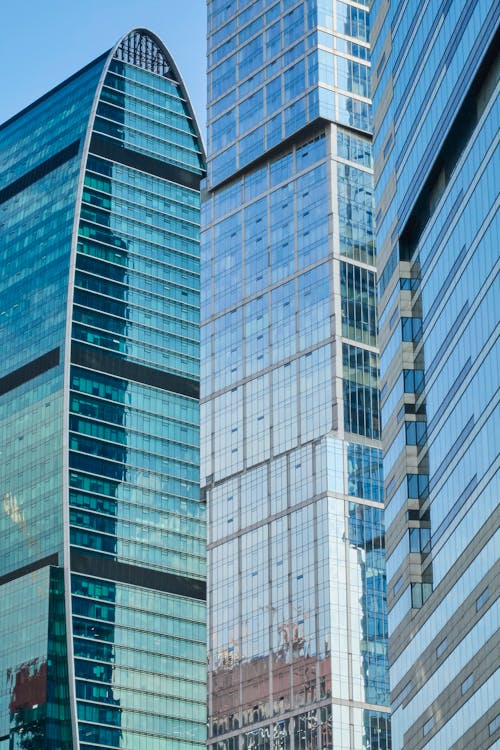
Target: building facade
x=102, y=567
x=436, y=115
x=291, y=459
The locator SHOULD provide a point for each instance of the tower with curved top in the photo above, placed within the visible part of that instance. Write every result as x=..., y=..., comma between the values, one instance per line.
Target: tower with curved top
x=102, y=532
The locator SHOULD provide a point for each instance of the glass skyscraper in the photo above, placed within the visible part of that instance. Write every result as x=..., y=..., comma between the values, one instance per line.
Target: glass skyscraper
x=291, y=459
x=102, y=559
x=436, y=113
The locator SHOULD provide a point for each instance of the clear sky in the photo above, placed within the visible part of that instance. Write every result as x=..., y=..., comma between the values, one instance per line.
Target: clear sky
x=45, y=41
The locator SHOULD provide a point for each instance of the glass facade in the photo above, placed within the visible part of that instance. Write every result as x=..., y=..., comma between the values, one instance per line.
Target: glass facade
x=435, y=81
x=291, y=463
x=102, y=527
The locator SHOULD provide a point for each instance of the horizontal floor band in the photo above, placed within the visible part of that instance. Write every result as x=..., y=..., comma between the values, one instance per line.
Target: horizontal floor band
x=29, y=371
x=122, y=368
x=102, y=567
x=101, y=146
x=26, y=569
x=43, y=169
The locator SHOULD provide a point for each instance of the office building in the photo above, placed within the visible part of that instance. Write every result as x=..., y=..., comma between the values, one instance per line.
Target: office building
x=291, y=460
x=102, y=559
x=436, y=115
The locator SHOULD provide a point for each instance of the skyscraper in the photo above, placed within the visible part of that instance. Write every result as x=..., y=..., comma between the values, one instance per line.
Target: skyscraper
x=436, y=114
x=290, y=428
x=102, y=567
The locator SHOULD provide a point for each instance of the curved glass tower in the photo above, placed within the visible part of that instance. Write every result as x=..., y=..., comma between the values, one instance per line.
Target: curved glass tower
x=102, y=559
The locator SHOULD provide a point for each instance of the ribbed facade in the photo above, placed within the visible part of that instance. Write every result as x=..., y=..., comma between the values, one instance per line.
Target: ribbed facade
x=291, y=460
x=102, y=567
x=436, y=115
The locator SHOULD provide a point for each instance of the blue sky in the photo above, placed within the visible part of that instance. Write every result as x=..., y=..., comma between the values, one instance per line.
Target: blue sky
x=45, y=41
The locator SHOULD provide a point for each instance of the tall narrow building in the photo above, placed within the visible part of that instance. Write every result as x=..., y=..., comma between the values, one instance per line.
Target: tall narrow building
x=436, y=113
x=291, y=460
x=102, y=540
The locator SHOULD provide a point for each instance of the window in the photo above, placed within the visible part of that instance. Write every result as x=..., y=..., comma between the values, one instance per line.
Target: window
x=411, y=329
x=420, y=592
x=413, y=381
x=494, y=725
x=397, y=586
x=418, y=486
x=416, y=433
x=428, y=726
x=441, y=648
x=482, y=599
x=467, y=683
x=420, y=539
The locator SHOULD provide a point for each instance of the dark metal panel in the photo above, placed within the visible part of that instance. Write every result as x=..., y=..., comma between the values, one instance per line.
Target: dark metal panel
x=100, y=146
x=37, y=565
x=43, y=169
x=122, y=368
x=102, y=567
x=29, y=371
